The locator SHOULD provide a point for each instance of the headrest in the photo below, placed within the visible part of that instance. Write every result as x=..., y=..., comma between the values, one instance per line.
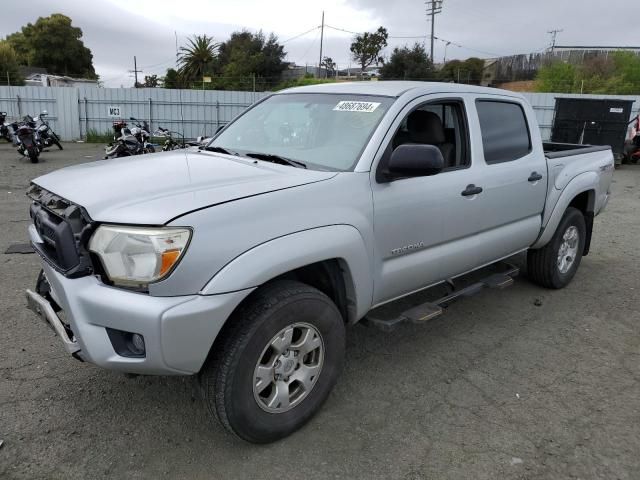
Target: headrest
x=425, y=127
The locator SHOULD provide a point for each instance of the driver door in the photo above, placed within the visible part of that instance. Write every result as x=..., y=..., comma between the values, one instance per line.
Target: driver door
x=419, y=222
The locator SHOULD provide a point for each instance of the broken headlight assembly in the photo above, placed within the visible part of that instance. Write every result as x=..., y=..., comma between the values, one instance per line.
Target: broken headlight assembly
x=137, y=256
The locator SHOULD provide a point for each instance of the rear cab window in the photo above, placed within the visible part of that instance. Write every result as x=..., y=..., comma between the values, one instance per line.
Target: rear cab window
x=504, y=129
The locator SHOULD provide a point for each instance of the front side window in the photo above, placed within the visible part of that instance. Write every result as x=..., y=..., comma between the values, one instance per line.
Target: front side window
x=504, y=129
x=324, y=131
x=442, y=124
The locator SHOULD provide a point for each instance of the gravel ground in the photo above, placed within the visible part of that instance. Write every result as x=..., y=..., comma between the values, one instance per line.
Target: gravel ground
x=523, y=383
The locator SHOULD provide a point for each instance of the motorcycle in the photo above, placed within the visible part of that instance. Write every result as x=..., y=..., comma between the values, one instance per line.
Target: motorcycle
x=170, y=143
x=46, y=135
x=27, y=138
x=141, y=132
x=5, y=132
x=125, y=143
x=632, y=145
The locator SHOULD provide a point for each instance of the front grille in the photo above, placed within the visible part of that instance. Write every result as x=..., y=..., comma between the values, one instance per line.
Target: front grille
x=64, y=228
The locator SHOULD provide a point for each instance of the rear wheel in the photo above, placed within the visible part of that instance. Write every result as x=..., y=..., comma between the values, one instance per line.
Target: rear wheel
x=34, y=153
x=555, y=264
x=276, y=365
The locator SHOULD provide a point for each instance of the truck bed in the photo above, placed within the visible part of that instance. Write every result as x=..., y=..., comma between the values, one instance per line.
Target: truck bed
x=557, y=150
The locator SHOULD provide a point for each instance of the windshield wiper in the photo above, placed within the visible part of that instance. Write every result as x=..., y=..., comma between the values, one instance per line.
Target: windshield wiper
x=269, y=157
x=219, y=150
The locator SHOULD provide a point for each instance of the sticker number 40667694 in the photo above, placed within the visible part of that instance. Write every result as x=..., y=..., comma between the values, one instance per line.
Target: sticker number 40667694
x=355, y=106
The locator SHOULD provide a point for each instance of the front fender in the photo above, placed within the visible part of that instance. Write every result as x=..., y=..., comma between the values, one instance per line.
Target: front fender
x=581, y=183
x=283, y=254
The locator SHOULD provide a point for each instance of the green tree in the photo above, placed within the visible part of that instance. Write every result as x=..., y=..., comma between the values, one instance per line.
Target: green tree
x=53, y=43
x=150, y=81
x=467, y=71
x=558, y=77
x=171, y=79
x=627, y=74
x=247, y=57
x=9, y=67
x=329, y=65
x=196, y=59
x=408, y=63
x=366, y=47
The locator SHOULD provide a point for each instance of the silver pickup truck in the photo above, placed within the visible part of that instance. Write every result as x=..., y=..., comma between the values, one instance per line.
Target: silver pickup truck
x=243, y=262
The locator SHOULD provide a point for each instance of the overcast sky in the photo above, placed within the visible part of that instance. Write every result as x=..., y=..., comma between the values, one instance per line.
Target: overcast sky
x=116, y=30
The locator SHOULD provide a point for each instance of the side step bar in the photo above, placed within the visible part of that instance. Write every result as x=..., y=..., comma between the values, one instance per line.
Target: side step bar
x=430, y=310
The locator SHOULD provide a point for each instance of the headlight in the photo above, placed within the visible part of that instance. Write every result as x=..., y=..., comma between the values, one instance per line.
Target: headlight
x=138, y=255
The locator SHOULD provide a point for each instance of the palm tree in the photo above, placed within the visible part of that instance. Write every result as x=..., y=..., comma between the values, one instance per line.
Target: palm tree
x=196, y=57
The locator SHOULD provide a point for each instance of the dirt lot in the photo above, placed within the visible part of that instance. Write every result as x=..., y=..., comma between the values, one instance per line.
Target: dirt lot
x=498, y=387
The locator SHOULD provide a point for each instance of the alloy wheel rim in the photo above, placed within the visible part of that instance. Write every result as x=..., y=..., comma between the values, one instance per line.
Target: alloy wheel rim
x=288, y=368
x=568, y=249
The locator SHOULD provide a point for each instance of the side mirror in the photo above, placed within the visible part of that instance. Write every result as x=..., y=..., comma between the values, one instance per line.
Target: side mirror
x=415, y=161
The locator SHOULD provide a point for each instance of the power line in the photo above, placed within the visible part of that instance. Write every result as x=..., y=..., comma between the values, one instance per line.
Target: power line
x=444, y=40
x=301, y=34
x=493, y=54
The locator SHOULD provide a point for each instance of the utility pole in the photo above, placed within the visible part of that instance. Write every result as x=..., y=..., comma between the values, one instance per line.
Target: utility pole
x=434, y=7
x=135, y=71
x=444, y=59
x=321, y=38
x=554, y=34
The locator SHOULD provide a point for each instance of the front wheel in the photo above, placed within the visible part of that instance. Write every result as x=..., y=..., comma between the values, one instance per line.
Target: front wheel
x=56, y=140
x=277, y=363
x=555, y=264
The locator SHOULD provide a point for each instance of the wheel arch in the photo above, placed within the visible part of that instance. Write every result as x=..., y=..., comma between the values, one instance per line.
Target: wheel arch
x=580, y=193
x=333, y=259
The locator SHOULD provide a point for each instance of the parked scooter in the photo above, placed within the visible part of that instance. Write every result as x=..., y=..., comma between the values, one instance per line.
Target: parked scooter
x=46, y=135
x=5, y=131
x=27, y=138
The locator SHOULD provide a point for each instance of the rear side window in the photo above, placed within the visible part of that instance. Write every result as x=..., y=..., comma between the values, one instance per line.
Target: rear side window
x=505, y=133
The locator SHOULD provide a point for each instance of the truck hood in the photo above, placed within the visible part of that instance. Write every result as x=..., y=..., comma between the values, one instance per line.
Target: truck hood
x=154, y=189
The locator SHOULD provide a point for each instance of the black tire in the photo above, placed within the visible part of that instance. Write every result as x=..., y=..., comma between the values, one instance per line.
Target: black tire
x=56, y=140
x=228, y=377
x=33, y=155
x=542, y=264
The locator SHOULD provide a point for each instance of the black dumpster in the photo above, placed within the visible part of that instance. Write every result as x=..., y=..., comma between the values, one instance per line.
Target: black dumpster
x=592, y=122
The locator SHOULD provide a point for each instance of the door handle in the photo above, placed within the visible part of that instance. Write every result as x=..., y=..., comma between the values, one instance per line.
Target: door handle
x=471, y=190
x=534, y=177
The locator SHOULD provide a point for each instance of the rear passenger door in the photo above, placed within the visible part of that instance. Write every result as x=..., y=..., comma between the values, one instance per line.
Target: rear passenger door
x=514, y=180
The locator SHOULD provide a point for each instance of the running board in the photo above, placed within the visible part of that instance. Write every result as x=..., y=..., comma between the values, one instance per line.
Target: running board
x=430, y=310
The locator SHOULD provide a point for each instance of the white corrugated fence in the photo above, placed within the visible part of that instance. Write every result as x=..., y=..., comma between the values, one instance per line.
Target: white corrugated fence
x=74, y=111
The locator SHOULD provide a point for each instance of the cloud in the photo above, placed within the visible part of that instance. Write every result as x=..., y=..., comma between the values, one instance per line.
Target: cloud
x=116, y=30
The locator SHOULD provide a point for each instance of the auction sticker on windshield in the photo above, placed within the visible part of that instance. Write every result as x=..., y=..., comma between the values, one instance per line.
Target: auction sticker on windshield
x=355, y=106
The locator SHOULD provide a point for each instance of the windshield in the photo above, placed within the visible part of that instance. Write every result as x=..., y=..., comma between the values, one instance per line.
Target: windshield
x=325, y=131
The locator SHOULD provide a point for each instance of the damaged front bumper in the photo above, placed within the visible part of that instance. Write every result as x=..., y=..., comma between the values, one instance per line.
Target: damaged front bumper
x=43, y=308
x=178, y=332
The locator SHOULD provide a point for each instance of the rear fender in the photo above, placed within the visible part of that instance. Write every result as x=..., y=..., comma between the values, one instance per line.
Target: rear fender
x=284, y=254
x=582, y=183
